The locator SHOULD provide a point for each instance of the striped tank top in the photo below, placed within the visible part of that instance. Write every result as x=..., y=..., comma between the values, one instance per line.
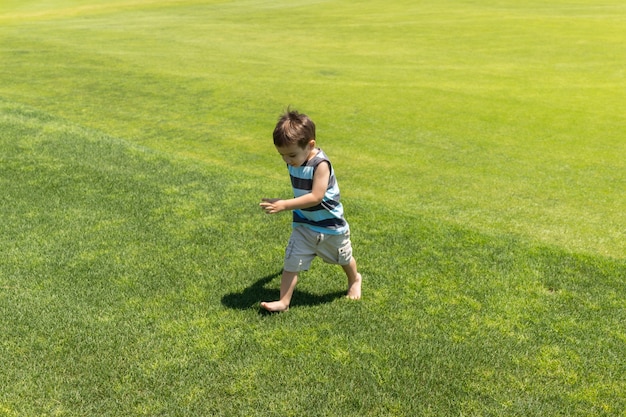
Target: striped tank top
x=326, y=217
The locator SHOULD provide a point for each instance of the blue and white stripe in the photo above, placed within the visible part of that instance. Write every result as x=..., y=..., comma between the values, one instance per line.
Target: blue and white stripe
x=326, y=217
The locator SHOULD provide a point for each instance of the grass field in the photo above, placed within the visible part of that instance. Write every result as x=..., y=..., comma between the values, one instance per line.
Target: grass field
x=481, y=152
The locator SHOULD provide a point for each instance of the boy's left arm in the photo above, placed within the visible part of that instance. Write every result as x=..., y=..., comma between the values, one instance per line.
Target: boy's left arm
x=320, y=184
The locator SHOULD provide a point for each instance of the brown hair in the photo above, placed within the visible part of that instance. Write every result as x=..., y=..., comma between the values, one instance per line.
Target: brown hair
x=294, y=127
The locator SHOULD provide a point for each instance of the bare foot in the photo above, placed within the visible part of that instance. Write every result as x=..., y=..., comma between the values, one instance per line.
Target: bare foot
x=354, y=288
x=274, y=306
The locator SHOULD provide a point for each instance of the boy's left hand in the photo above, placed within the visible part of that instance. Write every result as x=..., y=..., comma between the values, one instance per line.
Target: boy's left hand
x=272, y=205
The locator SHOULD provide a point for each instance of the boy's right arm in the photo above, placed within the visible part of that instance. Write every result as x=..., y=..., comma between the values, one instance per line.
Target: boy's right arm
x=320, y=183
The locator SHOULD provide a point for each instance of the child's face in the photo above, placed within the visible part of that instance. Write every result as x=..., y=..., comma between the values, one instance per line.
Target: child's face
x=294, y=155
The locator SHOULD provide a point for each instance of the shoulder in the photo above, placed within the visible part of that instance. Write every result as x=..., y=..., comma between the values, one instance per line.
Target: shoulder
x=318, y=159
x=322, y=155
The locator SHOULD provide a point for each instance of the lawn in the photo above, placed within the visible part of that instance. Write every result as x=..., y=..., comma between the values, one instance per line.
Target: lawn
x=480, y=150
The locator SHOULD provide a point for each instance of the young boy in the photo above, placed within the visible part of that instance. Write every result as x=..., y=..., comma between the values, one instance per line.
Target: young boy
x=319, y=228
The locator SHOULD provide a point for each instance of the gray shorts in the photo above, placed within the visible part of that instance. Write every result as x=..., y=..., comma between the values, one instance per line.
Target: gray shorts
x=305, y=244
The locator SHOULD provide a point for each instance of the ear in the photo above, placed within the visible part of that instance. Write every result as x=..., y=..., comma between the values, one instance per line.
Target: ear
x=312, y=143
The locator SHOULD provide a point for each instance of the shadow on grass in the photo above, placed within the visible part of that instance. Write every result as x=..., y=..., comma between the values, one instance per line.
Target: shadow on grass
x=257, y=292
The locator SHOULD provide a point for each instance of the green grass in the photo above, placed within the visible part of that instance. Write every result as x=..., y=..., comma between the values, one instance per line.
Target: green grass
x=480, y=150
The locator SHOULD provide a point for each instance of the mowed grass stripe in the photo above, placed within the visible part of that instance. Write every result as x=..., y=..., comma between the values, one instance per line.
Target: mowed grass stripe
x=501, y=117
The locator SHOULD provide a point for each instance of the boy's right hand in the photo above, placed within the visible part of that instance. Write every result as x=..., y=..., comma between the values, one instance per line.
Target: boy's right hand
x=269, y=205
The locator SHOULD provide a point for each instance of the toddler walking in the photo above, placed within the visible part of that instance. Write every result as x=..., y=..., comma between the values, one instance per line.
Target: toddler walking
x=319, y=226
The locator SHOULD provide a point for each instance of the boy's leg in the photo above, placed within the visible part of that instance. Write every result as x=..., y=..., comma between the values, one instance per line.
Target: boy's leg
x=299, y=253
x=354, y=280
x=287, y=285
x=338, y=250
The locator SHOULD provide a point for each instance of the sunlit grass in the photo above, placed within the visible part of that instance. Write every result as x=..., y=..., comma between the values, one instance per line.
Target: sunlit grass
x=499, y=116
x=479, y=149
